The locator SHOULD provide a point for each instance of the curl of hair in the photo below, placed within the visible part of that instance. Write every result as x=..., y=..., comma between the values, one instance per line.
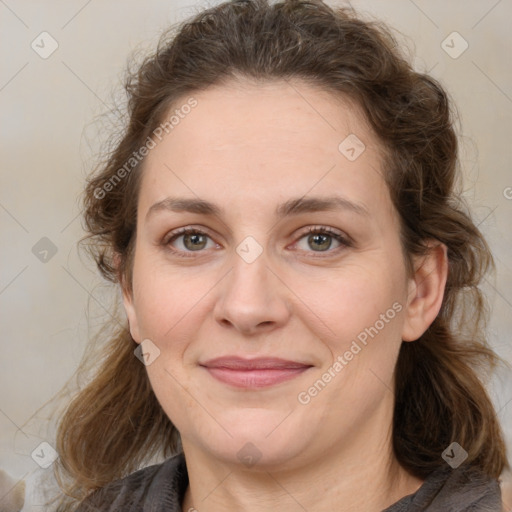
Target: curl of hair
x=439, y=396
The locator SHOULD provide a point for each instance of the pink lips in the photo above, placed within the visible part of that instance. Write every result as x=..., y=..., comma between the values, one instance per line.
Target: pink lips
x=253, y=373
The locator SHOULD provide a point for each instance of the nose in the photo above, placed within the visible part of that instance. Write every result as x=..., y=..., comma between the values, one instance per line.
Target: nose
x=252, y=298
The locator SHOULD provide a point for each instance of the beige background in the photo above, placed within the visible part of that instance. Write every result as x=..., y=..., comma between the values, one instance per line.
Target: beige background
x=50, y=134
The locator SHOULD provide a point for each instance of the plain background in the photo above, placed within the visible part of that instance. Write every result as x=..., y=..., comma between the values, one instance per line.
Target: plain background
x=50, y=135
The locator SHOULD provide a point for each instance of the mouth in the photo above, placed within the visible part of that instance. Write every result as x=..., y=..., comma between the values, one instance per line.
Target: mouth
x=253, y=373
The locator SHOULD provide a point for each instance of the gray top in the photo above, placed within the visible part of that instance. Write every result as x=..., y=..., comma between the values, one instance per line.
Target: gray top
x=161, y=488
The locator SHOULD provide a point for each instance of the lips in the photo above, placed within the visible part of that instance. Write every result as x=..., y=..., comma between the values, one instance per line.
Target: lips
x=253, y=373
x=261, y=363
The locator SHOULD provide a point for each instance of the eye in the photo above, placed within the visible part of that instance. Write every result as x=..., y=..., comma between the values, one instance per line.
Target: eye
x=187, y=240
x=321, y=238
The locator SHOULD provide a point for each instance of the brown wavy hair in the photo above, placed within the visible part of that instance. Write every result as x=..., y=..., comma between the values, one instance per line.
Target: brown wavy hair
x=115, y=424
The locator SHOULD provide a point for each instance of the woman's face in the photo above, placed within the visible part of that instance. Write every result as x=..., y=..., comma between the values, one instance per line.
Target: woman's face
x=252, y=169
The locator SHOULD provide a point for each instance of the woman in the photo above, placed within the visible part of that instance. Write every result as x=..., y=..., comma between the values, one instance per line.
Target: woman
x=300, y=281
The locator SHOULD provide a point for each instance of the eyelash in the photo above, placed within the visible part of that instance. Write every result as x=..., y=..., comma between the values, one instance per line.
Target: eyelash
x=325, y=230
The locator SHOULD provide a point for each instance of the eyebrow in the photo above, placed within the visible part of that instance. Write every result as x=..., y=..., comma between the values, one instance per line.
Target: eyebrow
x=288, y=208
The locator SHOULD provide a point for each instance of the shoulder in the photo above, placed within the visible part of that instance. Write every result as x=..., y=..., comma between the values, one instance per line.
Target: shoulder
x=464, y=489
x=467, y=488
x=156, y=487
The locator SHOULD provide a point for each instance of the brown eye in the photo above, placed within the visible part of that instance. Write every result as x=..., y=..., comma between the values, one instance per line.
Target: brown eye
x=194, y=242
x=188, y=240
x=320, y=241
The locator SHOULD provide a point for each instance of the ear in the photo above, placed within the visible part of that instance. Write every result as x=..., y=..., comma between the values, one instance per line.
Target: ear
x=129, y=308
x=128, y=301
x=425, y=291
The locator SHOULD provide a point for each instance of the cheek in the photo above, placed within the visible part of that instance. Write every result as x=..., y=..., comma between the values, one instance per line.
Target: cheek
x=160, y=302
x=363, y=310
x=352, y=299
x=171, y=304
x=335, y=304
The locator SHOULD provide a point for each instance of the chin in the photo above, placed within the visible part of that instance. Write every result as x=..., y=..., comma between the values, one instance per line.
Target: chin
x=257, y=455
x=258, y=441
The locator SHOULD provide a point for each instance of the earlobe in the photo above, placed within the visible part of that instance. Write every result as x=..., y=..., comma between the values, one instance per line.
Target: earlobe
x=129, y=308
x=128, y=302
x=426, y=291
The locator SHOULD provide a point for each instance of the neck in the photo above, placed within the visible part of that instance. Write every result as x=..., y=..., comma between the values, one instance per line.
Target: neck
x=365, y=476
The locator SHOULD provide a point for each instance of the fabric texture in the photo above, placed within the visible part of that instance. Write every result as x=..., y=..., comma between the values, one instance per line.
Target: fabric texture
x=161, y=488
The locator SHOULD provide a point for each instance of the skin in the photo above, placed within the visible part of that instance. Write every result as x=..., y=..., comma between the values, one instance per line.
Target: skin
x=247, y=148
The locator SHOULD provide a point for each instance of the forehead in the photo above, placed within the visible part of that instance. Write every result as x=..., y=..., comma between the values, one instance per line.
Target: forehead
x=271, y=140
